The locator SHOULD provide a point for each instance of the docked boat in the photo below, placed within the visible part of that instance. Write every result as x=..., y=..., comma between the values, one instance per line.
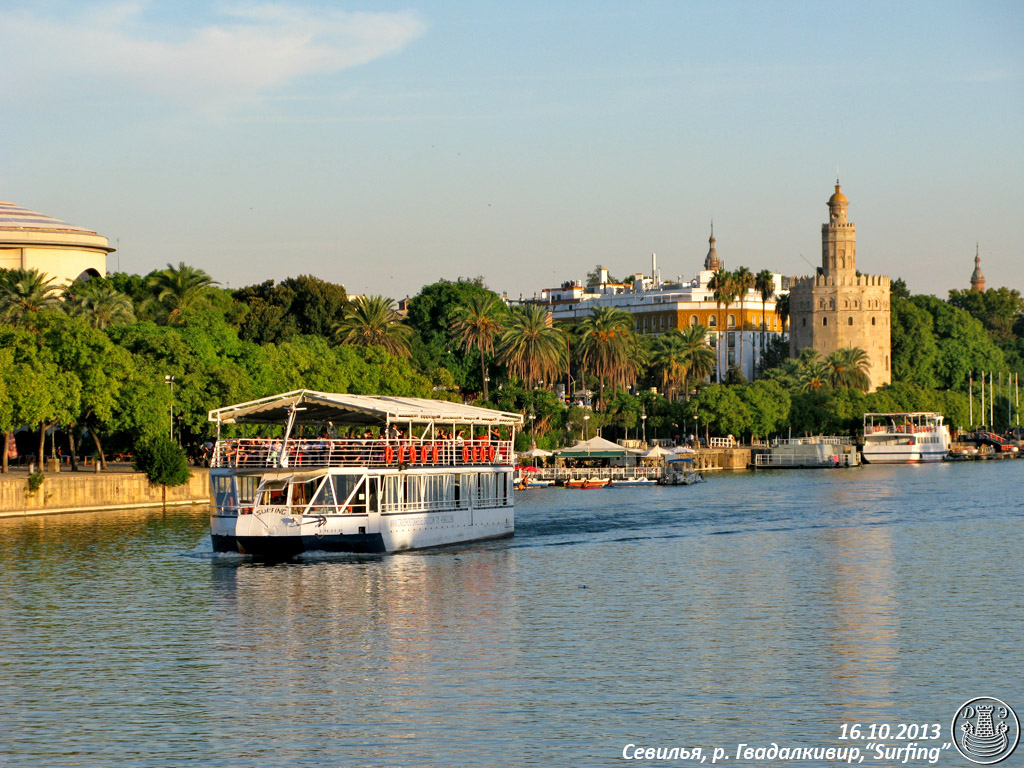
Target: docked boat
x=905, y=438
x=420, y=473
x=588, y=483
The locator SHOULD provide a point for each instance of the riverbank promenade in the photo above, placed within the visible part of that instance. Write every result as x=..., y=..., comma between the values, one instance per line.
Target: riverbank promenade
x=120, y=487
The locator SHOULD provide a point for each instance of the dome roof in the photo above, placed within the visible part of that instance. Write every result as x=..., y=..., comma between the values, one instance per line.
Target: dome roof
x=837, y=196
x=15, y=217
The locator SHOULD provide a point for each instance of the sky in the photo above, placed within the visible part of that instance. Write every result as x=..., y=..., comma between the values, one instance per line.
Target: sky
x=385, y=145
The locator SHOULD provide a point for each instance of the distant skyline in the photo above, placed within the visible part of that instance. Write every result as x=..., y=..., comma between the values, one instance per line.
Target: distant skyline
x=388, y=145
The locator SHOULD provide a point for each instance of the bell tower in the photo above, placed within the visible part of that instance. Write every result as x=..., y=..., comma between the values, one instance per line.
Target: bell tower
x=838, y=239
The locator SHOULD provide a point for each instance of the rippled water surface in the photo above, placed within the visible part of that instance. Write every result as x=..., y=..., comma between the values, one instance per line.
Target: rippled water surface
x=752, y=608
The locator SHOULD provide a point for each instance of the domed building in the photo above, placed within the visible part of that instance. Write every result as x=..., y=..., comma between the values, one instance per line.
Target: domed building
x=31, y=240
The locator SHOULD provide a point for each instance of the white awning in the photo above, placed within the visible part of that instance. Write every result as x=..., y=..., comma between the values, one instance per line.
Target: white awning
x=359, y=410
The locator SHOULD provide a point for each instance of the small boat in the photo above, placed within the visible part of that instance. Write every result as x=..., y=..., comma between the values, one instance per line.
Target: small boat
x=629, y=482
x=905, y=438
x=588, y=483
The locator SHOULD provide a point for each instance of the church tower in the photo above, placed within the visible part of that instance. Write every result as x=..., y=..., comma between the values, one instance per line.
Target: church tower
x=711, y=261
x=977, y=279
x=838, y=308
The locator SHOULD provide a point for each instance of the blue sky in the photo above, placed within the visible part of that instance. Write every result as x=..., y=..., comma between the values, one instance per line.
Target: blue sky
x=388, y=145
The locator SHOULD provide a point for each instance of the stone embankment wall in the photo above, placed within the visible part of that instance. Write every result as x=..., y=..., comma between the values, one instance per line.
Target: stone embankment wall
x=89, y=492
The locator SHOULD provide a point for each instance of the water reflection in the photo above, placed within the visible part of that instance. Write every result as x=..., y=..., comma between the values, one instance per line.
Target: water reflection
x=771, y=606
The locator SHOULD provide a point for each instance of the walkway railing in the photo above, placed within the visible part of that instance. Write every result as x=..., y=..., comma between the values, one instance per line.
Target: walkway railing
x=614, y=473
x=257, y=453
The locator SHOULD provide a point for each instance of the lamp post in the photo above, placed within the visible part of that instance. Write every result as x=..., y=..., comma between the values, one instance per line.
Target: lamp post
x=643, y=421
x=586, y=418
x=533, y=437
x=170, y=380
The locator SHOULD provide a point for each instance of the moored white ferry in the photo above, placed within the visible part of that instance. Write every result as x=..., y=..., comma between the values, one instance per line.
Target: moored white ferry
x=360, y=473
x=904, y=438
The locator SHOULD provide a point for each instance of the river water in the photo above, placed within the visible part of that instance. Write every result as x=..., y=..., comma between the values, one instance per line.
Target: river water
x=754, y=608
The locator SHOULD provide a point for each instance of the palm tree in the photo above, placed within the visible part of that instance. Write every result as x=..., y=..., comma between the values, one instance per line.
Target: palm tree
x=608, y=345
x=782, y=310
x=724, y=291
x=177, y=289
x=680, y=354
x=848, y=367
x=373, y=321
x=531, y=347
x=24, y=292
x=813, y=372
x=99, y=303
x=478, y=325
x=764, y=283
x=744, y=281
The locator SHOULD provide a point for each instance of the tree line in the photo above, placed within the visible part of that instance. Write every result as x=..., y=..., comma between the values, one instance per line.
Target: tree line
x=95, y=360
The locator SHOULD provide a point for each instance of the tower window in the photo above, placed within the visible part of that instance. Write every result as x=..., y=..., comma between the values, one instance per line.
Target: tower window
x=872, y=321
x=849, y=321
x=824, y=321
x=803, y=322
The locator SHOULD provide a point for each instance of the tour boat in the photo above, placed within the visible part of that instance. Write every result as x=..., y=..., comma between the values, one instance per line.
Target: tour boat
x=905, y=438
x=359, y=473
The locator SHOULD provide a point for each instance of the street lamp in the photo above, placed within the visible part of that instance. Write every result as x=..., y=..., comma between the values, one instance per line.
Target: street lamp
x=586, y=418
x=533, y=437
x=643, y=421
x=170, y=380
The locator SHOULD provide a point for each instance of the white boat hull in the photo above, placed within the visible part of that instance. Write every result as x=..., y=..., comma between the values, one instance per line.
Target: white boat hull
x=284, y=534
x=895, y=454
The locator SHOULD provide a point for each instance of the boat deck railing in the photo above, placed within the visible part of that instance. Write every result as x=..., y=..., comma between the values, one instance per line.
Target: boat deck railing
x=316, y=453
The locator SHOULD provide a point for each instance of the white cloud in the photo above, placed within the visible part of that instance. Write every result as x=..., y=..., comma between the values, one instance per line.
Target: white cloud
x=249, y=50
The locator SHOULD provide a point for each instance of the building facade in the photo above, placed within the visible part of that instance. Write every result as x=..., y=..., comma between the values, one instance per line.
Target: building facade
x=31, y=240
x=837, y=307
x=659, y=306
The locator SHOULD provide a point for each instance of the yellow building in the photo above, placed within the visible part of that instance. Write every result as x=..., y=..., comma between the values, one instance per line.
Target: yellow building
x=31, y=240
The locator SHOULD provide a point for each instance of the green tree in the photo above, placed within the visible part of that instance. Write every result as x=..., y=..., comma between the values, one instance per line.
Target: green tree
x=723, y=287
x=607, y=346
x=25, y=293
x=722, y=409
x=764, y=284
x=477, y=325
x=848, y=367
x=743, y=280
x=915, y=351
x=99, y=303
x=373, y=321
x=531, y=347
x=682, y=355
x=175, y=290
x=163, y=462
x=769, y=404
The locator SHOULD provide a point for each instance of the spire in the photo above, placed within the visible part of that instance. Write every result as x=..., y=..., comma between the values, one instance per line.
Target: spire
x=712, y=261
x=977, y=278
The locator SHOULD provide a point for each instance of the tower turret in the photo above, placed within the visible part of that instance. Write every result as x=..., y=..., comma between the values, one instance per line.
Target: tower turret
x=977, y=278
x=838, y=239
x=712, y=261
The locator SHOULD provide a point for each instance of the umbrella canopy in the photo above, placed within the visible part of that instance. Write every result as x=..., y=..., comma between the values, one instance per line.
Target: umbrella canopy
x=535, y=453
x=656, y=452
x=596, y=447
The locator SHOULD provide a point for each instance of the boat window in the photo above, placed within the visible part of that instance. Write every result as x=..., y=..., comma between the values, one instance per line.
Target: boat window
x=325, y=501
x=223, y=492
x=348, y=493
x=274, y=492
x=247, y=488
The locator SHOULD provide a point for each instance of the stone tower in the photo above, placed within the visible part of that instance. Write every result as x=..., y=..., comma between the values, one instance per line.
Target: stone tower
x=977, y=279
x=837, y=307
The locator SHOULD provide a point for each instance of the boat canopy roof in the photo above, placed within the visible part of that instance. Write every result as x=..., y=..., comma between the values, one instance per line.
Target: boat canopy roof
x=358, y=410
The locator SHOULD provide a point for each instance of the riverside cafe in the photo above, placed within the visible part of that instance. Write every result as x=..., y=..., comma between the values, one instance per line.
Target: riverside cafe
x=598, y=457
